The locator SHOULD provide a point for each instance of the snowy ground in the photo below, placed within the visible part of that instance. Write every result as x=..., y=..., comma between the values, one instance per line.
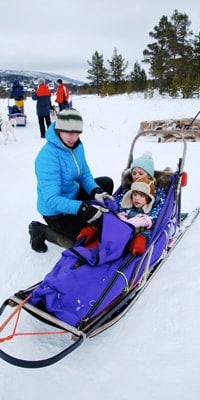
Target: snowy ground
x=153, y=352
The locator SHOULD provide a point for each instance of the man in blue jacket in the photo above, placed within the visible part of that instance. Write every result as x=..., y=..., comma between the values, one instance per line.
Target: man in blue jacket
x=42, y=95
x=65, y=184
x=17, y=93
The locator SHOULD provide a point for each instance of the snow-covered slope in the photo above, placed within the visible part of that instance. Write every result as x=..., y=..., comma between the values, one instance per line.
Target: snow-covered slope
x=153, y=352
x=37, y=74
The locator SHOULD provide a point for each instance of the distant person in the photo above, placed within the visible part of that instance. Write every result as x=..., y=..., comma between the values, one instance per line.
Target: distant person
x=62, y=95
x=65, y=184
x=17, y=93
x=43, y=107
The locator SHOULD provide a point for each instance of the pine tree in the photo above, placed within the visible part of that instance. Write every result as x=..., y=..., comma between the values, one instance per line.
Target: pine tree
x=196, y=64
x=117, y=71
x=157, y=53
x=97, y=74
x=171, y=55
x=138, y=78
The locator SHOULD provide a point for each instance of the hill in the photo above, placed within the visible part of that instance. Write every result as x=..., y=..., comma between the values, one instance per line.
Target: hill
x=27, y=76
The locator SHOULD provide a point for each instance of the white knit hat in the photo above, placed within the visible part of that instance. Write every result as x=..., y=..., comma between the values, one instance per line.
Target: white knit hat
x=69, y=120
x=145, y=186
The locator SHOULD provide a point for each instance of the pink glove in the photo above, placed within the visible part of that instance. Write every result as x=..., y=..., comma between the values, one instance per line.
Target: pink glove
x=141, y=221
x=123, y=216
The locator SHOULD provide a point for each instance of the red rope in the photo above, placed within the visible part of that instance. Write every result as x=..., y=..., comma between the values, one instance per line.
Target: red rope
x=17, y=313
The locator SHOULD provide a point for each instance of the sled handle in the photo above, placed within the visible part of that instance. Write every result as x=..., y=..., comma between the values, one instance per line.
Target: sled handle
x=130, y=157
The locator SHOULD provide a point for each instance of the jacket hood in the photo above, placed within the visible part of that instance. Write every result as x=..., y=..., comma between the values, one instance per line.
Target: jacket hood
x=52, y=137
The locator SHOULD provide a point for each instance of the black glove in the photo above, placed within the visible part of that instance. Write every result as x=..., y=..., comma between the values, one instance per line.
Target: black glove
x=90, y=213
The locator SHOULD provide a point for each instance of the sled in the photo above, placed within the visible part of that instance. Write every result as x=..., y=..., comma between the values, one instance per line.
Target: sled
x=110, y=278
x=14, y=112
x=172, y=130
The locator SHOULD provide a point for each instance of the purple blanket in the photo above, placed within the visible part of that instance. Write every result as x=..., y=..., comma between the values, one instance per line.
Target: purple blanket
x=79, y=277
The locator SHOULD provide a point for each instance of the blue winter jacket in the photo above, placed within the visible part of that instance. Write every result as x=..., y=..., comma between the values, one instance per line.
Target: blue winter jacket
x=43, y=97
x=61, y=172
x=17, y=91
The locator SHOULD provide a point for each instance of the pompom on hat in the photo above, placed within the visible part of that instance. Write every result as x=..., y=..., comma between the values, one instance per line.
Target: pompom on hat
x=69, y=120
x=144, y=162
x=142, y=185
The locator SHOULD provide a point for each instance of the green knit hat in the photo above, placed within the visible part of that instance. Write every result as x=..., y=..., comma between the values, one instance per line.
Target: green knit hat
x=69, y=121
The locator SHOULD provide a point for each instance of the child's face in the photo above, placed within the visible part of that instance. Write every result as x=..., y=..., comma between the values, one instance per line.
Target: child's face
x=138, y=173
x=139, y=199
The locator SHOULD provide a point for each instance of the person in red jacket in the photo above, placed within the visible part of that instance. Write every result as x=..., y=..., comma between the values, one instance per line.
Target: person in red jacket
x=43, y=97
x=62, y=95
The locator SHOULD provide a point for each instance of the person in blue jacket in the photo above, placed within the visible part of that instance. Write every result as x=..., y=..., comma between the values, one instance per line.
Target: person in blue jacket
x=65, y=184
x=42, y=96
x=17, y=93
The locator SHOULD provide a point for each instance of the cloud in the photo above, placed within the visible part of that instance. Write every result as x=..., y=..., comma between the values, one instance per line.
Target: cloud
x=63, y=35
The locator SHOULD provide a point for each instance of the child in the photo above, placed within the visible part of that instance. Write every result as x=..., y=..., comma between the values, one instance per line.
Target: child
x=137, y=204
x=142, y=167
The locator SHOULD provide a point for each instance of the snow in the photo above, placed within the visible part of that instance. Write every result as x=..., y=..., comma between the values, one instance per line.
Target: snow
x=153, y=352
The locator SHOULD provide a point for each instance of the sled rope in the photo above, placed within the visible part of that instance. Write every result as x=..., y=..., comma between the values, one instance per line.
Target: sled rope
x=127, y=287
x=14, y=333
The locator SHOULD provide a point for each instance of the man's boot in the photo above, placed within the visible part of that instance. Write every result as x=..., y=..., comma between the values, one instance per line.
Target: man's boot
x=37, y=236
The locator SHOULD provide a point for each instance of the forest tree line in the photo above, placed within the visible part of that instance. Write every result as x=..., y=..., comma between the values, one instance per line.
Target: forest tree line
x=173, y=59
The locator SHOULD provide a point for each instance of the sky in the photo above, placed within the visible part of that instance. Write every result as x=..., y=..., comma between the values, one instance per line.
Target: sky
x=153, y=351
x=61, y=37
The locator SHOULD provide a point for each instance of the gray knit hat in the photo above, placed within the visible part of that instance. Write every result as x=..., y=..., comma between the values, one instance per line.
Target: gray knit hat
x=41, y=81
x=69, y=121
x=142, y=185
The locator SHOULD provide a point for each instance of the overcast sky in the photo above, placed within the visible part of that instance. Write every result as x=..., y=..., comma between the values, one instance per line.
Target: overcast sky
x=60, y=36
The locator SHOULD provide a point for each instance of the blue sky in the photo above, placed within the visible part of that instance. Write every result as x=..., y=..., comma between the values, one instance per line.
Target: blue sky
x=61, y=37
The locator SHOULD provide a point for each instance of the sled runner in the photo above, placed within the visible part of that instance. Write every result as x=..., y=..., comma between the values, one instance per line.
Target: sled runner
x=88, y=290
x=15, y=112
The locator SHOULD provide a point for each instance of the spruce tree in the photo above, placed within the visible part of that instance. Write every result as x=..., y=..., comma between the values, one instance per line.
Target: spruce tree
x=97, y=74
x=138, y=78
x=117, y=76
x=170, y=55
